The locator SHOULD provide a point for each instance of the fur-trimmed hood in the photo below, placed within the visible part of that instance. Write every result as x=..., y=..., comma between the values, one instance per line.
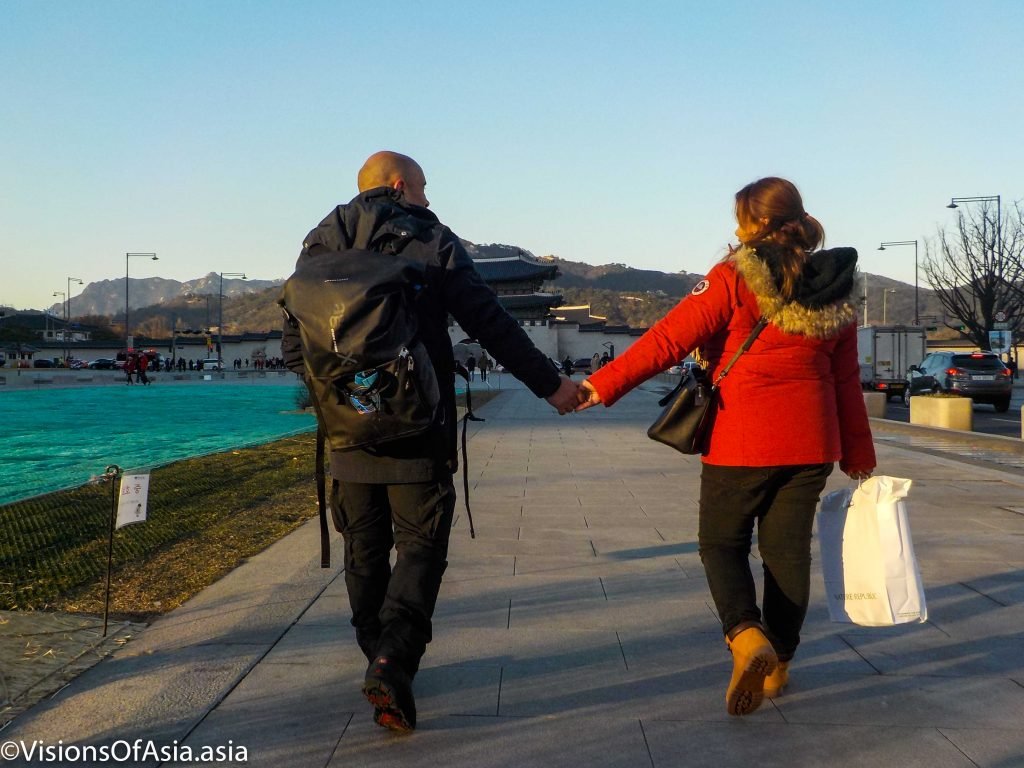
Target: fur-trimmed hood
x=821, y=307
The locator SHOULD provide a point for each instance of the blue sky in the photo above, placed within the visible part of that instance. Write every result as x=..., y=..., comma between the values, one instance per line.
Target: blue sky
x=216, y=133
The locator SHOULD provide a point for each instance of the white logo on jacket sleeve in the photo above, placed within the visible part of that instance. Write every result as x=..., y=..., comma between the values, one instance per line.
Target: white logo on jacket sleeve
x=700, y=287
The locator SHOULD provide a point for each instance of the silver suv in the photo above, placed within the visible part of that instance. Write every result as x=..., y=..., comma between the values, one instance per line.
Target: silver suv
x=980, y=376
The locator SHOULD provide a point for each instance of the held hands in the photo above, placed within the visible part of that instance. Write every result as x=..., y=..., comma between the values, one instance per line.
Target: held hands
x=565, y=398
x=587, y=396
x=571, y=397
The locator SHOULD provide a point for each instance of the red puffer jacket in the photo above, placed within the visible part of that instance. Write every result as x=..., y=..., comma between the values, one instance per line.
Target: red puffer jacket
x=794, y=397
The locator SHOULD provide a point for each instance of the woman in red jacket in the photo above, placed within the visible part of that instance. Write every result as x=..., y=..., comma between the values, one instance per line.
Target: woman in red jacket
x=789, y=408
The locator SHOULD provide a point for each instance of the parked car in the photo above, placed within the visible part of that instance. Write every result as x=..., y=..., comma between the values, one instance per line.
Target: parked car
x=42, y=362
x=685, y=367
x=211, y=364
x=981, y=376
x=103, y=364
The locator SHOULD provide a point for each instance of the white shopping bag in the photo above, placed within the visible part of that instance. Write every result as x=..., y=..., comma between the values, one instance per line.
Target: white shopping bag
x=867, y=556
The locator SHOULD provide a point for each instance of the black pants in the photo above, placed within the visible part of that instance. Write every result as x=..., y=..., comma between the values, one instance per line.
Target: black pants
x=782, y=501
x=392, y=608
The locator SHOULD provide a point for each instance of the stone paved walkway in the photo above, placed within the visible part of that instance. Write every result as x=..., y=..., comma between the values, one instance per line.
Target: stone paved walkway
x=577, y=628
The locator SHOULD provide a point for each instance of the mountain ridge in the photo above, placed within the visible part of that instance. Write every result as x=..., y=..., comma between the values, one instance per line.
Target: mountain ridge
x=621, y=294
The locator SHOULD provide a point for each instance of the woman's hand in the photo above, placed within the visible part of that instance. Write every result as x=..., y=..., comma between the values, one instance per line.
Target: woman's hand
x=858, y=474
x=587, y=396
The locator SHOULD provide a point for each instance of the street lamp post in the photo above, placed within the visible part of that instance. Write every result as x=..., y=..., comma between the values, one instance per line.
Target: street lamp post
x=127, y=256
x=67, y=314
x=220, y=315
x=885, y=295
x=917, y=303
x=998, y=200
x=63, y=300
x=864, y=295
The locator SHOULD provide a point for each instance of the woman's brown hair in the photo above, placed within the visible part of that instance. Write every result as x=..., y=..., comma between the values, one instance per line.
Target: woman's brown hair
x=773, y=211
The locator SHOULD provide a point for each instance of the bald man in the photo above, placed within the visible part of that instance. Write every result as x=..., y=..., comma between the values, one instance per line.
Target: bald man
x=400, y=493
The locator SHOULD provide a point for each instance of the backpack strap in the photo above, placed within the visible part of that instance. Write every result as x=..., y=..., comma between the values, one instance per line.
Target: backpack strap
x=321, y=499
x=460, y=369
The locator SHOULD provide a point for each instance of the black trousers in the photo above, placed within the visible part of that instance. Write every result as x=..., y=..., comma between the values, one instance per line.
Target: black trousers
x=782, y=502
x=392, y=608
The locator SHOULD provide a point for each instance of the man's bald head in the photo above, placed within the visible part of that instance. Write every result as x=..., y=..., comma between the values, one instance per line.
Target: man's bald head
x=400, y=172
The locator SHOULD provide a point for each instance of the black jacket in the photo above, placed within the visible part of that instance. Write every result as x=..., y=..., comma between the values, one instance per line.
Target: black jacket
x=379, y=220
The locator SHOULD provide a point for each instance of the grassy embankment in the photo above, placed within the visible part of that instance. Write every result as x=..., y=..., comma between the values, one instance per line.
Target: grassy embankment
x=206, y=516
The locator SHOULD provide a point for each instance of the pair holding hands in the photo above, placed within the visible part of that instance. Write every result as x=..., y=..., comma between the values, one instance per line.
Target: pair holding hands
x=571, y=396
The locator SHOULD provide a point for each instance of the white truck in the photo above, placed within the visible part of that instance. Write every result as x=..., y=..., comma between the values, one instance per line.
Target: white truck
x=886, y=353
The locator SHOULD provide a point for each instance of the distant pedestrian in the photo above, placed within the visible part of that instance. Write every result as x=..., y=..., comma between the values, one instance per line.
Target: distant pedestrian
x=140, y=370
x=485, y=365
x=567, y=366
x=605, y=359
x=471, y=366
x=129, y=368
x=595, y=362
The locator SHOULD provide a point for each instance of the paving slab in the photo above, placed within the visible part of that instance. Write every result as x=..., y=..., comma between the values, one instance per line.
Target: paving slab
x=716, y=745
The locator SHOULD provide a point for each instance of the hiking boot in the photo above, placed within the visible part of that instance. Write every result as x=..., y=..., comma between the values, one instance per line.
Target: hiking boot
x=388, y=688
x=367, y=641
x=776, y=682
x=753, y=659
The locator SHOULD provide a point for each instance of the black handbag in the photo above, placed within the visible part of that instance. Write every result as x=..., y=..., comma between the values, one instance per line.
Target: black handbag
x=687, y=410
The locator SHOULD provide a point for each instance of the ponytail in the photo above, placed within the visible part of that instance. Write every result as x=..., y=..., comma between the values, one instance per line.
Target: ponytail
x=773, y=210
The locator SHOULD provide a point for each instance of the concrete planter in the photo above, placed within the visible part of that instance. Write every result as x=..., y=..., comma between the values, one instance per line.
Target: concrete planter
x=947, y=412
x=875, y=403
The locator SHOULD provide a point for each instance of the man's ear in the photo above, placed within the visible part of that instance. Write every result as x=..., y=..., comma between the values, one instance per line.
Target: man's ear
x=399, y=185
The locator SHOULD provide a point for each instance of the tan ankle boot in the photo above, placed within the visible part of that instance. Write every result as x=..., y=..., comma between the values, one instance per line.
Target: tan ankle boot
x=753, y=659
x=777, y=680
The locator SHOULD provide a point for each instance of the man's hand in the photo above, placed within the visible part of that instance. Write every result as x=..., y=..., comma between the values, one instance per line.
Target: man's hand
x=564, y=398
x=587, y=396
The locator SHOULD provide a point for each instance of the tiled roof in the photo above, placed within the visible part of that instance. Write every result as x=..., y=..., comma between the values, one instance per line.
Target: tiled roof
x=522, y=301
x=508, y=268
x=34, y=321
x=15, y=347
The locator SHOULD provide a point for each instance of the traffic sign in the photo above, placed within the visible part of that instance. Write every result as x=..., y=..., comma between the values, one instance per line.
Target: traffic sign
x=1000, y=342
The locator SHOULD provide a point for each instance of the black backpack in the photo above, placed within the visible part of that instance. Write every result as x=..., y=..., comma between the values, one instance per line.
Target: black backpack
x=369, y=375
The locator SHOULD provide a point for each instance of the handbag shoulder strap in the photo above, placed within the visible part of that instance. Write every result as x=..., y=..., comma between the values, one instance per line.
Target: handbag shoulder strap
x=761, y=323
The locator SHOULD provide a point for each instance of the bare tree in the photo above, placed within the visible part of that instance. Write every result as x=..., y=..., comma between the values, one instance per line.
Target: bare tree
x=977, y=269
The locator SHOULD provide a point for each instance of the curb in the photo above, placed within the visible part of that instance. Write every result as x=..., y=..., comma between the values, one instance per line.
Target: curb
x=974, y=439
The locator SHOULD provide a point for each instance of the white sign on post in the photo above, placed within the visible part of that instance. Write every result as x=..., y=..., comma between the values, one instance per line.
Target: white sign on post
x=131, y=506
x=1000, y=341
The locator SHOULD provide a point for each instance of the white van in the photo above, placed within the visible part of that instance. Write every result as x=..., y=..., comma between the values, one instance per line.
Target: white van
x=211, y=364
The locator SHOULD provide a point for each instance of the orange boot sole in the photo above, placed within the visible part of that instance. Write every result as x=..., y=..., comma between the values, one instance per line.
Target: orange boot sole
x=753, y=659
